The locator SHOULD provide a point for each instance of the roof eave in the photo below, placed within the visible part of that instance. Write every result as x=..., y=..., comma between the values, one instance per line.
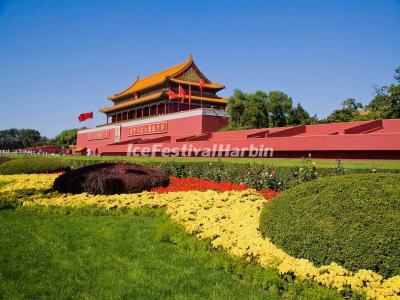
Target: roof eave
x=212, y=85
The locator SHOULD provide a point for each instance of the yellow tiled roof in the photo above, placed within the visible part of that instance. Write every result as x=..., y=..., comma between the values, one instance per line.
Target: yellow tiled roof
x=148, y=98
x=158, y=78
x=131, y=103
x=151, y=80
x=207, y=99
x=210, y=85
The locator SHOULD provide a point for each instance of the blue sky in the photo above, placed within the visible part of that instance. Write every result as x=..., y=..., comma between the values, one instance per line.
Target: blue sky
x=61, y=58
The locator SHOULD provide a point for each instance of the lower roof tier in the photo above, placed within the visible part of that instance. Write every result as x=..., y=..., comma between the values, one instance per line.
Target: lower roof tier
x=157, y=97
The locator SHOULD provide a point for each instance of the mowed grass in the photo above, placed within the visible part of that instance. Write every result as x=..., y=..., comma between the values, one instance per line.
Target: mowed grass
x=276, y=162
x=58, y=256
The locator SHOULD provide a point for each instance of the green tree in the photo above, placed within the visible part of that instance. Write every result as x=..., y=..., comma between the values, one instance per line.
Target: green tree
x=247, y=110
x=397, y=74
x=351, y=104
x=279, y=105
x=348, y=112
x=9, y=139
x=236, y=106
x=386, y=103
x=299, y=116
x=66, y=137
x=255, y=114
x=13, y=138
x=260, y=110
x=29, y=137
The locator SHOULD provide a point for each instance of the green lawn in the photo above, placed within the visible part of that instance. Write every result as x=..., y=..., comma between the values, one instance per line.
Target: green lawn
x=277, y=162
x=102, y=257
x=92, y=254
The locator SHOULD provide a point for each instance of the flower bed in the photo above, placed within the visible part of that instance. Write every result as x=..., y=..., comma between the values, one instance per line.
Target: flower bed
x=25, y=181
x=197, y=184
x=202, y=185
x=268, y=193
x=230, y=220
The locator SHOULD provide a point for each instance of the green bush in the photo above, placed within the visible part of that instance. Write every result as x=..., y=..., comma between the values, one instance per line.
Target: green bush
x=257, y=175
x=352, y=220
x=31, y=165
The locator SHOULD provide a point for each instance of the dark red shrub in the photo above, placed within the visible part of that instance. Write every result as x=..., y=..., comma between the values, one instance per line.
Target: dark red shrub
x=111, y=178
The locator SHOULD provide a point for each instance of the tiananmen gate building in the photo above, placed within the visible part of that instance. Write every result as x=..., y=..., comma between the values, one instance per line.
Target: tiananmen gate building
x=149, y=96
x=177, y=111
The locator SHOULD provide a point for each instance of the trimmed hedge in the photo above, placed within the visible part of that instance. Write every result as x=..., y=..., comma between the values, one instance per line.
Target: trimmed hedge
x=110, y=179
x=255, y=175
x=32, y=165
x=353, y=220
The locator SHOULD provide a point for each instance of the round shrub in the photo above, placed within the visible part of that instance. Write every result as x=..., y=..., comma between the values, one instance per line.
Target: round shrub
x=33, y=165
x=111, y=178
x=353, y=220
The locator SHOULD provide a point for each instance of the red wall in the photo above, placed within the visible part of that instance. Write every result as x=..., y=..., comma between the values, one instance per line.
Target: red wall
x=363, y=139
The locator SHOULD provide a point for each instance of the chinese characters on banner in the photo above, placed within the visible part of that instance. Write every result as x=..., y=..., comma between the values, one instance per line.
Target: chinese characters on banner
x=153, y=128
x=98, y=135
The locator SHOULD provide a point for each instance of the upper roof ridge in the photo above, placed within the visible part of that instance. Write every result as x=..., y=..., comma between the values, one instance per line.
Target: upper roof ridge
x=154, y=78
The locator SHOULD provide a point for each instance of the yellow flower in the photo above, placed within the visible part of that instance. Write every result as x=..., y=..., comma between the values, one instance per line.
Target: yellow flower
x=230, y=220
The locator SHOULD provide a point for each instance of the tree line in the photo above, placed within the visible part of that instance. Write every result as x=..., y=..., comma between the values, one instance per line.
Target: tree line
x=276, y=109
x=11, y=139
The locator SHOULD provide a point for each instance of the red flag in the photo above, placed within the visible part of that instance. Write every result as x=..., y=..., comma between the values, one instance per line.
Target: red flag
x=202, y=84
x=190, y=95
x=84, y=116
x=172, y=95
x=181, y=93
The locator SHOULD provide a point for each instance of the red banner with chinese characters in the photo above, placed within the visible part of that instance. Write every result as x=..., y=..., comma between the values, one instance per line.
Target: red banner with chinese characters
x=98, y=135
x=153, y=128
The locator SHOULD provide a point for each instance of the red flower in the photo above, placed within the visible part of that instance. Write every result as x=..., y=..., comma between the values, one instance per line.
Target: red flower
x=197, y=184
x=268, y=193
